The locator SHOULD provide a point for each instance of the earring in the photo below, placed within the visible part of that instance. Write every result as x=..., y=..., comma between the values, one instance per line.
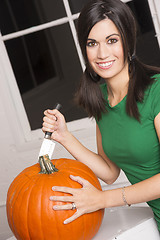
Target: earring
x=131, y=61
x=131, y=58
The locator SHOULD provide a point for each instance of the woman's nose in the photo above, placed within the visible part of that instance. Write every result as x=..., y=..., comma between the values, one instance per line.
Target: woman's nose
x=103, y=51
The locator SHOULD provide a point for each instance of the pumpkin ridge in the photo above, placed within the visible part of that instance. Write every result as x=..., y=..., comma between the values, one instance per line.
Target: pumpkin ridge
x=68, y=181
x=27, y=183
x=42, y=208
x=55, y=215
x=36, y=180
x=84, y=224
x=33, y=180
x=14, y=200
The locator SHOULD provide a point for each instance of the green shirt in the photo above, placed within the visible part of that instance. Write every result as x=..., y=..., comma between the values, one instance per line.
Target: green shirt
x=132, y=145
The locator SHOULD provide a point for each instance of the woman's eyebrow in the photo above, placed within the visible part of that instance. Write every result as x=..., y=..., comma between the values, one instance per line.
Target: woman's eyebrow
x=91, y=39
x=112, y=35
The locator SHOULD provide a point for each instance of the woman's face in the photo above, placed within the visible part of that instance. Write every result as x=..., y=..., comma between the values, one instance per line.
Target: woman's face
x=105, y=50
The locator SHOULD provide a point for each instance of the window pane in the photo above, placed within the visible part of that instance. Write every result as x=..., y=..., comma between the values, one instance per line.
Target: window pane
x=31, y=60
x=147, y=45
x=18, y=15
x=77, y=5
x=47, y=69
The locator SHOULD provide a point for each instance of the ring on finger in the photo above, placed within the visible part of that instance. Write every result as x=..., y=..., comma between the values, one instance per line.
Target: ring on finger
x=73, y=206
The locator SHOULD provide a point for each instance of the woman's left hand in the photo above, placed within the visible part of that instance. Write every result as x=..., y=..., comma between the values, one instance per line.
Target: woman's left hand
x=86, y=199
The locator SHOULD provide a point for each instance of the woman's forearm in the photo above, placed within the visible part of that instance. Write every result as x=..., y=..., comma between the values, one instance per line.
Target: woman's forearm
x=54, y=122
x=143, y=191
x=103, y=170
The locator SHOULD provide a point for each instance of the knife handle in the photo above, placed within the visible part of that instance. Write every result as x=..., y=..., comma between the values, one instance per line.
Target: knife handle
x=58, y=106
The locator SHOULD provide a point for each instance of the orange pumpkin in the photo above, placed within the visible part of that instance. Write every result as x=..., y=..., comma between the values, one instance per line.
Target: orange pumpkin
x=29, y=210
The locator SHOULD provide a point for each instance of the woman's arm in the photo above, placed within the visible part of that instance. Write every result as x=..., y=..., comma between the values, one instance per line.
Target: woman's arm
x=114, y=169
x=144, y=191
x=89, y=199
x=99, y=163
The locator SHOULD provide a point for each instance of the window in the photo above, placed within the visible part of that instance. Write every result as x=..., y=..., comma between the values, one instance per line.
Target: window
x=40, y=39
x=76, y=6
x=45, y=63
x=18, y=15
x=147, y=45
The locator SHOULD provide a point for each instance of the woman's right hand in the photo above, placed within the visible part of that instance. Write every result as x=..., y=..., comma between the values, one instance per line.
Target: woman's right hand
x=54, y=122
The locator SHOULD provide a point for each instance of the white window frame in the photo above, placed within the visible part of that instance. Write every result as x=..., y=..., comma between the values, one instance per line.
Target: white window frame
x=11, y=95
x=155, y=13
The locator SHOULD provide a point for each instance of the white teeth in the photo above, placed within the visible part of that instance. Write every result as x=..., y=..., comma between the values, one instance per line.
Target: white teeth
x=105, y=64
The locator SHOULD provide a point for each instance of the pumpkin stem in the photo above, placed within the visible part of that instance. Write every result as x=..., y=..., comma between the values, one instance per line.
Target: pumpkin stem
x=43, y=168
x=46, y=165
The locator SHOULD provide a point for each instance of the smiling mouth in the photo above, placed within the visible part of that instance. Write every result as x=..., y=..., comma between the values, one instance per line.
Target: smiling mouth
x=105, y=65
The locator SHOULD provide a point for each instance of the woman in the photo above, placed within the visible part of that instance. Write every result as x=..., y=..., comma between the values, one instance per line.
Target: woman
x=126, y=108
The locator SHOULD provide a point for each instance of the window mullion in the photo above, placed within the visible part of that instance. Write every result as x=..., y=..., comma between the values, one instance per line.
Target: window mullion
x=18, y=114
x=73, y=30
x=34, y=29
x=125, y=1
x=153, y=4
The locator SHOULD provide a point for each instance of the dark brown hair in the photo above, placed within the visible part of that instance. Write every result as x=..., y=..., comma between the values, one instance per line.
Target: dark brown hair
x=89, y=95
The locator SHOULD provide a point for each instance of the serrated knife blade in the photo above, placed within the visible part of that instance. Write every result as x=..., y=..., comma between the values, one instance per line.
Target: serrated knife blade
x=48, y=144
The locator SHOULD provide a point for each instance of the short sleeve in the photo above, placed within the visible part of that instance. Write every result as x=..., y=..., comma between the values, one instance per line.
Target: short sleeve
x=156, y=96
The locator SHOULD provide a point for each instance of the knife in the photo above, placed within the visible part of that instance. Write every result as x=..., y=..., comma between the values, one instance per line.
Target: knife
x=48, y=144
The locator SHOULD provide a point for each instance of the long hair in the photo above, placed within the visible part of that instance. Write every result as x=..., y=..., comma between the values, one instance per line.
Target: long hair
x=89, y=95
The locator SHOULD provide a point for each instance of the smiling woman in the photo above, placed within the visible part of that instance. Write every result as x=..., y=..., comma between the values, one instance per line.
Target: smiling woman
x=42, y=46
x=32, y=33
x=126, y=107
x=105, y=50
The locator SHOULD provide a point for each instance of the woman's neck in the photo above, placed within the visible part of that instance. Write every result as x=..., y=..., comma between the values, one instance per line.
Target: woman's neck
x=117, y=87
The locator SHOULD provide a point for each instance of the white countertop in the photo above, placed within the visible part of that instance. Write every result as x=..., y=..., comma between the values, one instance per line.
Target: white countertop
x=127, y=223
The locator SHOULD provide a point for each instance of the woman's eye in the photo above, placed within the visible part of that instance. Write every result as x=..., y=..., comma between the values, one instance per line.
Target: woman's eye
x=112, y=40
x=91, y=44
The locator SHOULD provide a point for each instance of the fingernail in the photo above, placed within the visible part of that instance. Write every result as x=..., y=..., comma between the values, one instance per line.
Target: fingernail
x=55, y=207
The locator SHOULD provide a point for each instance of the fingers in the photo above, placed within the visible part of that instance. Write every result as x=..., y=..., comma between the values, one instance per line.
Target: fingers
x=50, y=120
x=72, y=191
x=53, y=114
x=73, y=217
x=53, y=121
x=63, y=207
x=49, y=125
x=68, y=207
x=61, y=198
x=49, y=114
x=64, y=189
x=77, y=196
x=80, y=180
